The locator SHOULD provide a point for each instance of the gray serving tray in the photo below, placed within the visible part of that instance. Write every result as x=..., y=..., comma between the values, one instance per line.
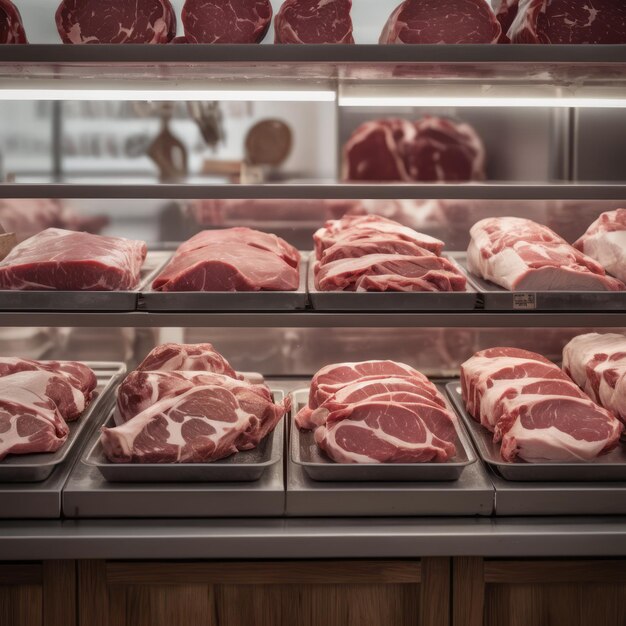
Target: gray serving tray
x=87, y=494
x=496, y=298
x=393, y=300
x=38, y=467
x=305, y=453
x=608, y=467
x=150, y=300
x=241, y=467
x=52, y=300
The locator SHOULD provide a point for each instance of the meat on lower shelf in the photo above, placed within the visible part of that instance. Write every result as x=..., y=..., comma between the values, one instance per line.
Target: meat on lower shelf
x=226, y=21
x=234, y=259
x=563, y=21
x=378, y=412
x=441, y=22
x=314, y=22
x=521, y=255
x=37, y=399
x=430, y=149
x=605, y=242
x=597, y=363
x=116, y=21
x=57, y=259
x=169, y=416
x=11, y=26
x=372, y=253
x=534, y=409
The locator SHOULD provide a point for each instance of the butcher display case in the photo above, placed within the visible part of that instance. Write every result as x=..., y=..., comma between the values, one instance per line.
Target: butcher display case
x=263, y=131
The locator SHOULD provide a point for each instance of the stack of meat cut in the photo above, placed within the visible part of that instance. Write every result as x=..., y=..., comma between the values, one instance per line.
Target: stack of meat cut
x=378, y=412
x=37, y=399
x=605, y=242
x=372, y=253
x=521, y=255
x=234, y=259
x=57, y=259
x=185, y=404
x=597, y=363
x=534, y=409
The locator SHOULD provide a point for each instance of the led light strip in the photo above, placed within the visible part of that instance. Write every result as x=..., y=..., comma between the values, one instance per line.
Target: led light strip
x=167, y=95
x=446, y=101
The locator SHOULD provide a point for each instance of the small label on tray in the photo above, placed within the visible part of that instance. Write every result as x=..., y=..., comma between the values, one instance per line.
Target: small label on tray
x=524, y=301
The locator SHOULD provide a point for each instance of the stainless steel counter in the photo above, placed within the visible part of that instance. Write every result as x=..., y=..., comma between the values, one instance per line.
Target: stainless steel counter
x=313, y=538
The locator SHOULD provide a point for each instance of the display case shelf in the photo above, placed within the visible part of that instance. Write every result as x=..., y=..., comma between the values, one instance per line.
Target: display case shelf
x=347, y=191
x=479, y=319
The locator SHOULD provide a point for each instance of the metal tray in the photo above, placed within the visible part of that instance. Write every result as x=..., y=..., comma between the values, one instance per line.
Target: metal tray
x=496, y=298
x=393, y=300
x=305, y=453
x=150, y=300
x=52, y=300
x=608, y=467
x=38, y=467
x=241, y=467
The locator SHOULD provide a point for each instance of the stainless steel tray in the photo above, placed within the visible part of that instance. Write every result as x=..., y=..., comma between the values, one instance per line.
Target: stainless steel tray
x=241, y=467
x=150, y=300
x=306, y=453
x=496, y=298
x=608, y=467
x=393, y=300
x=52, y=300
x=38, y=467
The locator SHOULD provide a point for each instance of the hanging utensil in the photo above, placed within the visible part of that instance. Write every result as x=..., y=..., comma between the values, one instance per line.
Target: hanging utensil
x=208, y=116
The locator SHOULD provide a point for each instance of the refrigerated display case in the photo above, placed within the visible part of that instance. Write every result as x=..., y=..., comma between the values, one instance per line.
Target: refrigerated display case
x=287, y=547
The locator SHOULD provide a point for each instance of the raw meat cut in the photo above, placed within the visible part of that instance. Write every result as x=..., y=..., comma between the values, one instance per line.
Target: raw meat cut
x=78, y=375
x=69, y=400
x=534, y=409
x=245, y=236
x=352, y=229
x=314, y=22
x=199, y=357
x=65, y=260
x=431, y=149
x=226, y=21
x=390, y=272
x=141, y=390
x=11, y=26
x=26, y=218
x=568, y=22
x=236, y=259
x=519, y=255
x=388, y=432
x=387, y=389
x=597, y=363
x=205, y=423
x=441, y=21
x=116, y=21
x=331, y=378
x=219, y=212
x=375, y=244
x=605, y=242
x=29, y=423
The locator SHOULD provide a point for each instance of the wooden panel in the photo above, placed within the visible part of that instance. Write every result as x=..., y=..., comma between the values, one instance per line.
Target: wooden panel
x=435, y=592
x=264, y=573
x=468, y=591
x=555, y=604
x=92, y=593
x=314, y=605
x=20, y=574
x=20, y=605
x=59, y=593
x=555, y=571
